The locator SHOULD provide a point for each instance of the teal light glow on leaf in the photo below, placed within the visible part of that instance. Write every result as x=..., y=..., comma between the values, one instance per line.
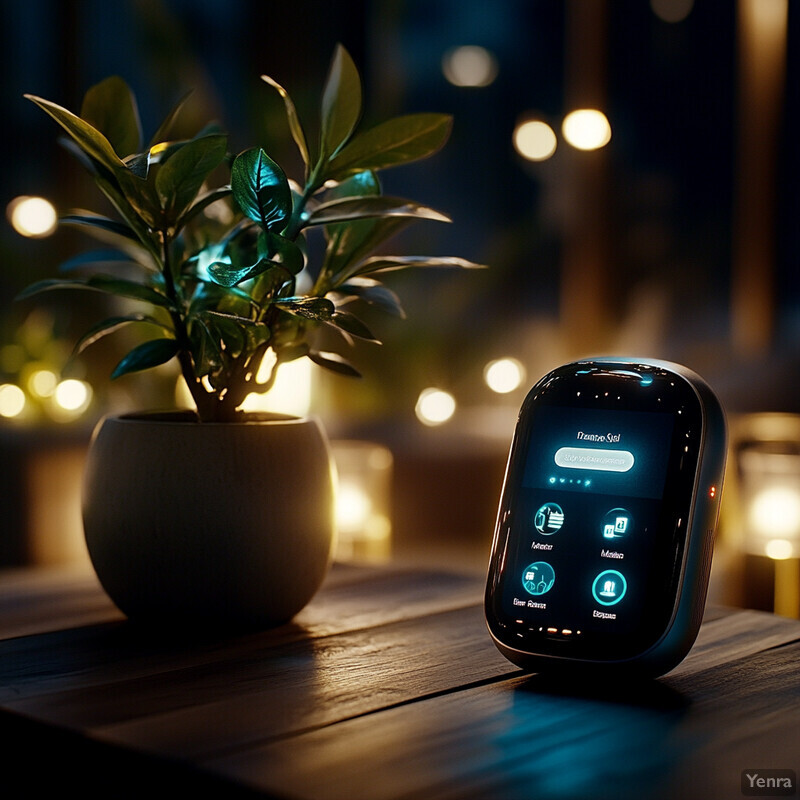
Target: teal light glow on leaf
x=260, y=188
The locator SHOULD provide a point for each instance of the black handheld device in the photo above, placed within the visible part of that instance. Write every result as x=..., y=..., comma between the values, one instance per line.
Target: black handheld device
x=602, y=548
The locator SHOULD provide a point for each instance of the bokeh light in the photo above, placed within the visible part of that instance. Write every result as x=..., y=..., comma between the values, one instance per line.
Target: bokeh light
x=535, y=140
x=586, y=129
x=672, y=10
x=435, y=406
x=12, y=400
x=33, y=217
x=775, y=512
x=504, y=375
x=779, y=549
x=469, y=65
x=73, y=396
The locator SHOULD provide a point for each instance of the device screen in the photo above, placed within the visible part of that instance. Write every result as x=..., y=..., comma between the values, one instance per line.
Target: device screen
x=594, y=514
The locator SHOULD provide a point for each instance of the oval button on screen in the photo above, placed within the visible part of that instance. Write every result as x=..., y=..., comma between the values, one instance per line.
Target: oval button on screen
x=594, y=458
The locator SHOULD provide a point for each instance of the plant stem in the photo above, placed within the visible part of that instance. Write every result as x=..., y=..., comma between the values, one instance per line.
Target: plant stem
x=203, y=400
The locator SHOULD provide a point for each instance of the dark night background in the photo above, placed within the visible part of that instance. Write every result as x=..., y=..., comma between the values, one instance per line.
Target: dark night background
x=665, y=217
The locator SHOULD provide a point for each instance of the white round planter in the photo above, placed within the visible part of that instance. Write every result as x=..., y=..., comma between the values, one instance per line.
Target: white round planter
x=209, y=524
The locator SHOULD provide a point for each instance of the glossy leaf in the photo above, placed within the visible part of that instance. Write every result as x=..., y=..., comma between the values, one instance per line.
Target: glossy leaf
x=289, y=255
x=353, y=208
x=95, y=257
x=295, y=126
x=86, y=136
x=379, y=264
x=397, y=141
x=110, y=187
x=124, y=288
x=354, y=241
x=180, y=178
x=146, y=355
x=98, y=221
x=316, y=308
x=110, y=107
x=374, y=293
x=341, y=103
x=227, y=275
x=334, y=362
x=110, y=325
x=260, y=188
x=352, y=325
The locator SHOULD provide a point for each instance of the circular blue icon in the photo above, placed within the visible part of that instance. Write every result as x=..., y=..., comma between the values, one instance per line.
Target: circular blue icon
x=617, y=524
x=549, y=518
x=609, y=587
x=538, y=578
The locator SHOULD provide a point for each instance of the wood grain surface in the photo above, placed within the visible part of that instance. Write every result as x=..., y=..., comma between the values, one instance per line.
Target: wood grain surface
x=386, y=686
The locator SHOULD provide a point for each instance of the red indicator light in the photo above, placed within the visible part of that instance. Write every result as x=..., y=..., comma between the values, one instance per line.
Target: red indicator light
x=712, y=492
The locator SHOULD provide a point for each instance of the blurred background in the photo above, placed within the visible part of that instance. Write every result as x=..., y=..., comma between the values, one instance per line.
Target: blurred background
x=661, y=220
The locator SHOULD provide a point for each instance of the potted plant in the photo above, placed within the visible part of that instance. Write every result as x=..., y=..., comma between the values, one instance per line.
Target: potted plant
x=214, y=515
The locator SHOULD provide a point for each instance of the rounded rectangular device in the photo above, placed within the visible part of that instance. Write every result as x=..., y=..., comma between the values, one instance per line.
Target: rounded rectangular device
x=602, y=548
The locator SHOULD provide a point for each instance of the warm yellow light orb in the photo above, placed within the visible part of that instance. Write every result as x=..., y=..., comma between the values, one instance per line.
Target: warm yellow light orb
x=73, y=395
x=435, y=406
x=42, y=382
x=774, y=513
x=504, y=375
x=353, y=507
x=33, y=217
x=469, y=65
x=12, y=400
x=586, y=129
x=779, y=549
x=535, y=140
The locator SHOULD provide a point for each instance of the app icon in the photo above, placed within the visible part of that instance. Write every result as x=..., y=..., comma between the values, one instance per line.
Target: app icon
x=617, y=523
x=538, y=578
x=609, y=587
x=549, y=518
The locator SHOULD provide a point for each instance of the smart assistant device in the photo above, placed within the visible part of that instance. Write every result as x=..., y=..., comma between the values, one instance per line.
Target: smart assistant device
x=602, y=548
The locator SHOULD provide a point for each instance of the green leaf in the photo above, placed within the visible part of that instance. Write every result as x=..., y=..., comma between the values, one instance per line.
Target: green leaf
x=180, y=178
x=295, y=126
x=130, y=289
x=290, y=256
x=341, y=103
x=108, y=326
x=396, y=141
x=91, y=257
x=100, y=283
x=352, y=208
x=352, y=324
x=374, y=293
x=228, y=275
x=355, y=241
x=202, y=203
x=48, y=285
x=162, y=134
x=260, y=188
x=380, y=264
x=316, y=308
x=334, y=362
x=146, y=355
x=87, y=137
x=98, y=221
x=111, y=108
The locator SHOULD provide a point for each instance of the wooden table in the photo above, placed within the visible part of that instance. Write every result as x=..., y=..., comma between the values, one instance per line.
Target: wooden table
x=386, y=686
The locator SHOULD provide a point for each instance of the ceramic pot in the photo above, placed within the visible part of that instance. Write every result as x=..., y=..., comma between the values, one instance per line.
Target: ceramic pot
x=209, y=524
